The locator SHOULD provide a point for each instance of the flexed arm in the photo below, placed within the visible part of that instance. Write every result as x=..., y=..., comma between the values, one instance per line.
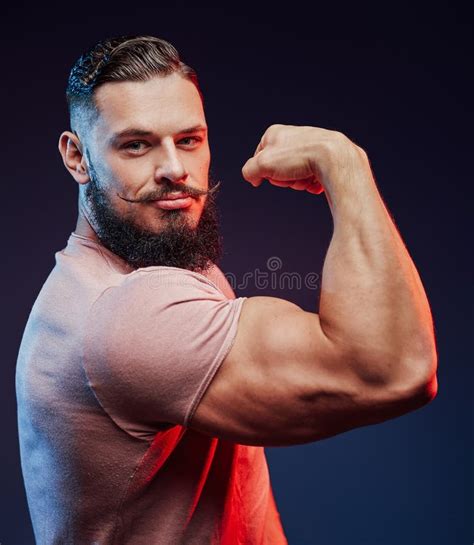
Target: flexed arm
x=372, y=299
x=369, y=355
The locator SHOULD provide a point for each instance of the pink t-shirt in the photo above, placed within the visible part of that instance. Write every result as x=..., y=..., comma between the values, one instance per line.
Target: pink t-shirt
x=112, y=365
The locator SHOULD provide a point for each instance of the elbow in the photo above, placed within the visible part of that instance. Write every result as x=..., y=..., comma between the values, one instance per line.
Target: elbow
x=432, y=388
x=408, y=380
x=423, y=381
x=426, y=391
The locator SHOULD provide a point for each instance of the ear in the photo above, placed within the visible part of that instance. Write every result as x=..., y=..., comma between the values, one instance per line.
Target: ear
x=71, y=151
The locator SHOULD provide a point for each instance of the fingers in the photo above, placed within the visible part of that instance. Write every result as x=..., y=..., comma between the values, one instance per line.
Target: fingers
x=256, y=171
x=300, y=185
x=310, y=185
x=316, y=188
x=259, y=148
x=252, y=172
x=281, y=161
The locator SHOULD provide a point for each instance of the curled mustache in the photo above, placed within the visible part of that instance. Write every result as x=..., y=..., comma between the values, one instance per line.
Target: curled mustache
x=189, y=191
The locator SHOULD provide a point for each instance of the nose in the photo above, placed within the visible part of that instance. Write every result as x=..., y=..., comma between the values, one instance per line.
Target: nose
x=170, y=167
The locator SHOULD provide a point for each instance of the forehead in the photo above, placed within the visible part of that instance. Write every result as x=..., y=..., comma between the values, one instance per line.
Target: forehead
x=159, y=104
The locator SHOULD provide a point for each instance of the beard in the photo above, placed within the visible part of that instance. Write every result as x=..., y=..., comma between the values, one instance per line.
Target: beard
x=178, y=244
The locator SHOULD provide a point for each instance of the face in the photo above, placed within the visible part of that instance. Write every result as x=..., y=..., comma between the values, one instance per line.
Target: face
x=151, y=141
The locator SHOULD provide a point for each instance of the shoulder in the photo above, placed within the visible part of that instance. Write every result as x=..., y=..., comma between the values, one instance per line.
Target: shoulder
x=154, y=341
x=157, y=299
x=160, y=278
x=155, y=285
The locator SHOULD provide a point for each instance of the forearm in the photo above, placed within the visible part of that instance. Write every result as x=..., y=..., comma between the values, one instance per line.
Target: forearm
x=372, y=300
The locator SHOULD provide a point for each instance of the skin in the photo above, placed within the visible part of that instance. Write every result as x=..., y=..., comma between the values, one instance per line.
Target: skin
x=369, y=354
x=127, y=174
x=291, y=376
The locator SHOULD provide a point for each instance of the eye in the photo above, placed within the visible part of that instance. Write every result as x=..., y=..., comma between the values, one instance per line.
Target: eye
x=135, y=146
x=130, y=144
x=196, y=138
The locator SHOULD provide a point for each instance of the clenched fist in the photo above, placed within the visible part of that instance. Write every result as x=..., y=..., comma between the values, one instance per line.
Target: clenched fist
x=302, y=157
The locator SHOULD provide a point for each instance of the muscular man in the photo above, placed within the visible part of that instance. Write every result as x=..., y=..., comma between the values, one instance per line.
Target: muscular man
x=146, y=390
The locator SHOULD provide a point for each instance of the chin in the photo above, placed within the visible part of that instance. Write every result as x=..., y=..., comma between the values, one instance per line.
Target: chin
x=179, y=217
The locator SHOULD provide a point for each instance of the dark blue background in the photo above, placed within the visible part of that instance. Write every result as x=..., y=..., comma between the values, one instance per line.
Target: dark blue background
x=397, y=83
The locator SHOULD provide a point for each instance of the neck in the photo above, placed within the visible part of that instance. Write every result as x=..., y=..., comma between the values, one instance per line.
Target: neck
x=84, y=224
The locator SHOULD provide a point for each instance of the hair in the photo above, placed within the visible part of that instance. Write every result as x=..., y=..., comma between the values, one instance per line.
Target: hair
x=122, y=58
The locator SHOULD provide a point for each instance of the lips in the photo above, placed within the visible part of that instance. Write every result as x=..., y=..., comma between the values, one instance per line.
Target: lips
x=173, y=201
x=173, y=196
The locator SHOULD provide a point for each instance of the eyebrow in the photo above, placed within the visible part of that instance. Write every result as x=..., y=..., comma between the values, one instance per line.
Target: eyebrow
x=132, y=131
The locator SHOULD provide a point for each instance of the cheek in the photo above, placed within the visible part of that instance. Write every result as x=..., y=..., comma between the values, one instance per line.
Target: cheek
x=129, y=174
x=203, y=168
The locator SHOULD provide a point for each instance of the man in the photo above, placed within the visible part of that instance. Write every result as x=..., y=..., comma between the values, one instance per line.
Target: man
x=146, y=390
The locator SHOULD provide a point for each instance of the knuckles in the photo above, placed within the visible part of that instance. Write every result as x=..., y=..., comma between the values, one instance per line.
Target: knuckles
x=265, y=161
x=273, y=131
x=278, y=131
x=329, y=145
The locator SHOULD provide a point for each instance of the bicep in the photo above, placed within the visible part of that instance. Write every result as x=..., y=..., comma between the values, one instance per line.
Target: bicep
x=282, y=382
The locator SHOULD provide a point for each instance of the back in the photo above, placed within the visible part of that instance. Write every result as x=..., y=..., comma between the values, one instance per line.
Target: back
x=106, y=453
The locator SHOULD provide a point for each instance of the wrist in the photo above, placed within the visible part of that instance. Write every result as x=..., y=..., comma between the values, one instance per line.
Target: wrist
x=348, y=176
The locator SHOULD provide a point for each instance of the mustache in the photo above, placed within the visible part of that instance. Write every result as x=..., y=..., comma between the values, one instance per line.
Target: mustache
x=191, y=191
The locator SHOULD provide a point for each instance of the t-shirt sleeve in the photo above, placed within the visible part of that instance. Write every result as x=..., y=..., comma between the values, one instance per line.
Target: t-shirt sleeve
x=154, y=343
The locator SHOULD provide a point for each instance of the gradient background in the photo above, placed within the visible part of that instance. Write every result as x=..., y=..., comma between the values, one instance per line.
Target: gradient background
x=396, y=82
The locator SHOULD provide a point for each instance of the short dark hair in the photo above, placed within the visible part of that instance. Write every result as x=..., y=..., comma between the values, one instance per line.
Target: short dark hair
x=121, y=58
